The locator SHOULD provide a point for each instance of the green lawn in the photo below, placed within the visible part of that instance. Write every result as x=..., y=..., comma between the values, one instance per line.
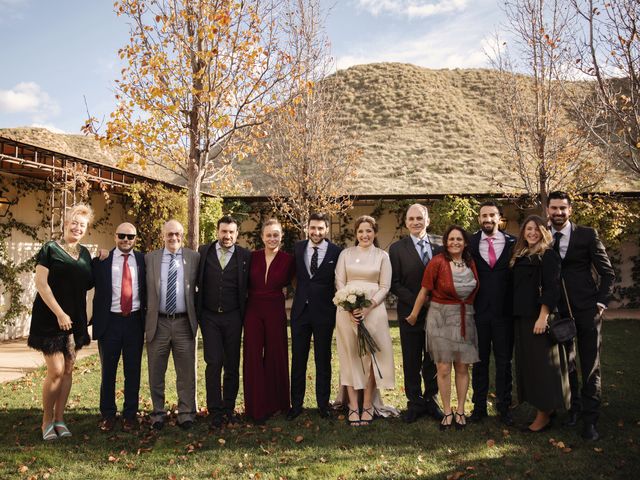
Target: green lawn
x=312, y=447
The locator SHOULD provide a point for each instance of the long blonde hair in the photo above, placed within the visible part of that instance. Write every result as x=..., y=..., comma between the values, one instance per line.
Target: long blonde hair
x=522, y=249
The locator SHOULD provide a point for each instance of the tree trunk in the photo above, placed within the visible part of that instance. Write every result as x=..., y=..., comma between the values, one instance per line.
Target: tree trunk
x=193, y=204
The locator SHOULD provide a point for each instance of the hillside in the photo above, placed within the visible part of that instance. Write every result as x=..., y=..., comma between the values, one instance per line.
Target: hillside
x=425, y=131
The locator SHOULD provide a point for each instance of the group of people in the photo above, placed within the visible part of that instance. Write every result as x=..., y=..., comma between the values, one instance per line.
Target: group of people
x=460, y=298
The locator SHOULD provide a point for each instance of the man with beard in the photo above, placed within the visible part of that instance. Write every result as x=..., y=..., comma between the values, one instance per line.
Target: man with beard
x=580, y=250
x=118, y=324
x=313, y=314
x=223, y=276
x=491, y=250
x=409, y=257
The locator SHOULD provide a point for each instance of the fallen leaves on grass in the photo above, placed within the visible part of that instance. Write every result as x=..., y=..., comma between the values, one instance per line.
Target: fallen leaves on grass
x=455, y=475
x=299, y=439
x=491, y=443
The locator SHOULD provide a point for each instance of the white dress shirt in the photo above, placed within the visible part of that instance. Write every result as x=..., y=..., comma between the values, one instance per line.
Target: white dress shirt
x=117, y=263
x=181, y=306
x=499, y=241
x=564, y=240
x=322, y=251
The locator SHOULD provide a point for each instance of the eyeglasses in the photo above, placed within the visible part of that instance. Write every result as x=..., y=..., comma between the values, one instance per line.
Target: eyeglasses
x=173, y=234
x=128, y=236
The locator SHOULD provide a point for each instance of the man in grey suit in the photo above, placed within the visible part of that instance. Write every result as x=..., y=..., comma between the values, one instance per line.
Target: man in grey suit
x=409, y=257
x=171, y=323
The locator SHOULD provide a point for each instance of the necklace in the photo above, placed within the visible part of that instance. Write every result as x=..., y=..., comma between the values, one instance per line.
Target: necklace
x=72, y=250
x=460, y=264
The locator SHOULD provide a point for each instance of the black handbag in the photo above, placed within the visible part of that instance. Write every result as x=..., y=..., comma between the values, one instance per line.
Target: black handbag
x=561, y=329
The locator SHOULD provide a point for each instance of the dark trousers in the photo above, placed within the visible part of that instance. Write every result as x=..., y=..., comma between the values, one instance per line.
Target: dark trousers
x=417, y=367
x=589, y=343
x=221, y=333
x=124, y=336
x=301, y=331
x=494, y=334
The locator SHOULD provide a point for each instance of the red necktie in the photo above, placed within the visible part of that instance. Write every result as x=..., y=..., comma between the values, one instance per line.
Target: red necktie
x=492, y=253
x=126, y=290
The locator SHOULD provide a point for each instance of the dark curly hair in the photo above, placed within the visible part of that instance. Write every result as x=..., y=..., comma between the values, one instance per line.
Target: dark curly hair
x=466, y=253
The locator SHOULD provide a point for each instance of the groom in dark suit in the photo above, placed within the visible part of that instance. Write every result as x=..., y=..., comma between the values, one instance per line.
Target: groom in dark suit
x=491, y=249
x=582, y=251
x=119, y=305
x=223, y=277
x=409, y=258
x=313, y=314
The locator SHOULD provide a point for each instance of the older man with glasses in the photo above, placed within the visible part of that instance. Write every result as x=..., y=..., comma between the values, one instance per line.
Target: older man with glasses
x=172, y=324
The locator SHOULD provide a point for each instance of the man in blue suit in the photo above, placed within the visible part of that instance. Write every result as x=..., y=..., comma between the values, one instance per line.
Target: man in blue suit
x=313, y=314
x=119, y=304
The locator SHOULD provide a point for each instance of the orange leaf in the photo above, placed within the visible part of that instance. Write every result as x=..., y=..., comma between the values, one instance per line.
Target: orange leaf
x=299, y=439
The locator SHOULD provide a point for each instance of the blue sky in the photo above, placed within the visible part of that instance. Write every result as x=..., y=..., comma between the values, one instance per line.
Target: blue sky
x=56, y=53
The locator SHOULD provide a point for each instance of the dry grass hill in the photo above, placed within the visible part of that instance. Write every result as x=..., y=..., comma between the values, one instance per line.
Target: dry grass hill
x=421, y=131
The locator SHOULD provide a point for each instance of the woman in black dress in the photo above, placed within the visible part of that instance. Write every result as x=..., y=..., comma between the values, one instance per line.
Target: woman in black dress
x=59, y=315
x=541, y=371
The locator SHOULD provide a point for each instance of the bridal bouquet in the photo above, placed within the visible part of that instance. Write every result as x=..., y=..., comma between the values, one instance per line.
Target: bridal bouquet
x=350, y=299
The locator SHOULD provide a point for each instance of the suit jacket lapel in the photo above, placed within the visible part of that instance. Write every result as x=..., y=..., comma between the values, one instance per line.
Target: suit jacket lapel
x=571, y=240
x=411, y=249
x=157, y=266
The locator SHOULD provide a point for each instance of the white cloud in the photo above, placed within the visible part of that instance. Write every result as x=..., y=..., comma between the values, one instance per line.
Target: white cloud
x=51, y=128
x=412, y=8
x=446, y=46
x=28, y=97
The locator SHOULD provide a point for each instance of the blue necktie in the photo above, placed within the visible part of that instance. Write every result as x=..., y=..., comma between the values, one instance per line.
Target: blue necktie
x=172, y=285
x=424, y=252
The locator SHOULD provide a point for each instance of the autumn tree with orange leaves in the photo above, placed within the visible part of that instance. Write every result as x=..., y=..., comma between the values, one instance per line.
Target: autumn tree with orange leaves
x=200, y=78
x=311, y=156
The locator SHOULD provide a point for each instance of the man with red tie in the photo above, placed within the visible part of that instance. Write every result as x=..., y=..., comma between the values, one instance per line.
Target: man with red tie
x=491, y=249
x=119, y=303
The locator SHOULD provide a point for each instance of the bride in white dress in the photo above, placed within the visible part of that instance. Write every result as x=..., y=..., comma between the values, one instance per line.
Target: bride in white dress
x=368, y=268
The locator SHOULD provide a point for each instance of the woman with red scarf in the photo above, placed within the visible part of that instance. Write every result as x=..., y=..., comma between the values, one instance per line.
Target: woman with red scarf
x=451, y=280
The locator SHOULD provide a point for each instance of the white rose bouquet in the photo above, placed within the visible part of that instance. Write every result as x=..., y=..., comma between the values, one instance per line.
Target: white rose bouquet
x=350, y=299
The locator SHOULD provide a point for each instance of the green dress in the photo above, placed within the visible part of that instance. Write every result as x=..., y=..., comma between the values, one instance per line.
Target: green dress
x=69, y=279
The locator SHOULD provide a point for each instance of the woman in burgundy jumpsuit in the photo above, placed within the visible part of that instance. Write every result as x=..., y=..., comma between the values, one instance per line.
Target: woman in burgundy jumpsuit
x=266, y=357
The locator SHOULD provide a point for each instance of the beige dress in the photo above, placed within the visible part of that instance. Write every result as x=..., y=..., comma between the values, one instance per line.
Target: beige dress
x=370, y=270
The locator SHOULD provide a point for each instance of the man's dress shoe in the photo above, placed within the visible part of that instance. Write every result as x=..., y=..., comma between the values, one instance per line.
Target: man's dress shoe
x=572, y=419
x=477, y=416
x=589, y=432
x=506, y=418
x=294, y=413
x=434, y=411
x=324, y=412
x=410, y=416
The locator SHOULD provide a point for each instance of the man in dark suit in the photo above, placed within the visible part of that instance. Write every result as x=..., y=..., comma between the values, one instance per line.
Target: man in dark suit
x=409, y=257
x=491, y=249
x=223, y=275
x=313, y=314
x=119, y=303
x=171, y=324
x=582, y=251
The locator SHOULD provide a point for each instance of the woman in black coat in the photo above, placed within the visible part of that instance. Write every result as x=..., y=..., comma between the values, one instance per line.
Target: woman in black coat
x=541, y=370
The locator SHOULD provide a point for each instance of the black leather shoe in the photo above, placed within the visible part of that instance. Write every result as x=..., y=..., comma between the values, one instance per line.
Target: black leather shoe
x=589, y=432
x=477, y=416
x=294, y=413
x=232, y=419
x=506, y=418
x=158, y=425
x=572, y=419
x=186, y=425
x=434, y=411
x=216, y=422
x=410, y=416
x=324, y=412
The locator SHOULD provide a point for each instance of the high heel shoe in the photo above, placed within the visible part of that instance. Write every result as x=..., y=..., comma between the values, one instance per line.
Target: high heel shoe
x=459, y=424
x=443, y=424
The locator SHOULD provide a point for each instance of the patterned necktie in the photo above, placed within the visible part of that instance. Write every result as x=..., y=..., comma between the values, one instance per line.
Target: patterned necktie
x=492, y=253
x=224, y=253
x=424, y=251
x=314, y=261
x=172, y=285
x=556, y=244
x=126, y=289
